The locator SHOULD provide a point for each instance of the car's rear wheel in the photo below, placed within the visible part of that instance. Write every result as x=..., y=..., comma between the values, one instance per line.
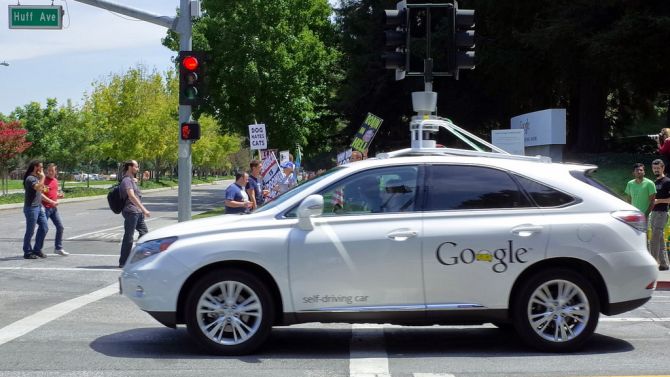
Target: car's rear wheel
x=556, y=310
x=229, y=312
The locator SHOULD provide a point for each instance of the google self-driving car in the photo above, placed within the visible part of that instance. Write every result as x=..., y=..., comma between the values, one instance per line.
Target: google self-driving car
x=420, y=236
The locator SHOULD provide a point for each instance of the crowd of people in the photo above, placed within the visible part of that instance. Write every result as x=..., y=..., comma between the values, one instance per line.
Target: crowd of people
x=653, y=198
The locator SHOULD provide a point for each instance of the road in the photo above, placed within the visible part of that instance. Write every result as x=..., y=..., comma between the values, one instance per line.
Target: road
x=63, y=316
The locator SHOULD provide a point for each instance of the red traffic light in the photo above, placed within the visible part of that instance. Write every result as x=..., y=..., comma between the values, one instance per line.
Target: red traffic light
x=190, y=131
x=190, y=63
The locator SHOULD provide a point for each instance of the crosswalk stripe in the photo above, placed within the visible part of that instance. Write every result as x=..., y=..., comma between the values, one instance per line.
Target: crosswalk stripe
x=34, y=321
x=368, y=356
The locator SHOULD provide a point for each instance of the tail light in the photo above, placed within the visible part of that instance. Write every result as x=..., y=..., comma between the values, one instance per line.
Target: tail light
x=635, y=219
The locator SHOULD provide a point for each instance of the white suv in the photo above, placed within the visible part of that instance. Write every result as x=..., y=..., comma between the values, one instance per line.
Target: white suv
x=416, y=237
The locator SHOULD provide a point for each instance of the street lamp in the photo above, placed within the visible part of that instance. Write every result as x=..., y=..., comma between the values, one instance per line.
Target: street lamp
x=4, y=63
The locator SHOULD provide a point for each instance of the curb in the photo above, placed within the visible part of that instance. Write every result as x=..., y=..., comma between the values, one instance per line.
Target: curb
x=663, y=285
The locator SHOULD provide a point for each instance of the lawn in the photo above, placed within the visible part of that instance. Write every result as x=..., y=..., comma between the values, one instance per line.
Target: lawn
x=615, y=170
x=79, y=189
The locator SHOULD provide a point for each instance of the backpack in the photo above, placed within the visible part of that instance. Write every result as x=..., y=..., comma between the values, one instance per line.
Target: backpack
x=116, y=204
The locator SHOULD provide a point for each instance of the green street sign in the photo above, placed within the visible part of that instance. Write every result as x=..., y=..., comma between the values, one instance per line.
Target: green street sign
x=35, y=17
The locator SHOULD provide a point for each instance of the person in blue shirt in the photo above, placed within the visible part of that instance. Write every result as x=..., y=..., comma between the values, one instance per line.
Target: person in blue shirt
x=254, y=187
x=236, y=199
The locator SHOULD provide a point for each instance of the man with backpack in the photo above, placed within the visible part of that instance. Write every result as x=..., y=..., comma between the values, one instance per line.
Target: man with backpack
x=133, y=211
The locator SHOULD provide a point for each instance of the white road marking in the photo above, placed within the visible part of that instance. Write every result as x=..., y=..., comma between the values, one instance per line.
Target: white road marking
x=108, y=229
x=633, y=319
x=32, y=322
x=433, y=375
x=60, y=269
x=86, y=255
x=368, y=356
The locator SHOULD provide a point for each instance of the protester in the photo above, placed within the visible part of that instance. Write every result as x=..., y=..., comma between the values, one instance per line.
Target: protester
x=640, y=191
x=659, y=215
x=236, y=199
x=33, y=185
x=50, y=203
x=663, y=141
x=133, y=212
x=254, y=186
x=287, y=180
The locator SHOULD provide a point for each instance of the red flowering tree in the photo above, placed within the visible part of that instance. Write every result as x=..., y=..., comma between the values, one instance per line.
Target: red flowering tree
x=12, y=142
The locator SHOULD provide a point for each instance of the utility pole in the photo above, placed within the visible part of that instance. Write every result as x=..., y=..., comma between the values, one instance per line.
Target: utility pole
x=181, y=25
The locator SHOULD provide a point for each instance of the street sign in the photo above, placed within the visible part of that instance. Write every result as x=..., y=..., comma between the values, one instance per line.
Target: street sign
x=35, y=17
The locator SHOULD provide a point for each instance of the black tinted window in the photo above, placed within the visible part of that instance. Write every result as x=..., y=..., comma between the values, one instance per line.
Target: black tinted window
x=544, y=196
x=454, y=187
x=390, y=189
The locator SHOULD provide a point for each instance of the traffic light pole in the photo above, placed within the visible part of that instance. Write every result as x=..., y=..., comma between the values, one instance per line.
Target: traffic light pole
x=182, y=25
x=185, y=166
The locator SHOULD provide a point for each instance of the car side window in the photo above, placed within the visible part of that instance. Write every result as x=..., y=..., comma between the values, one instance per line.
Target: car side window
x=383, y=190
x=543, y=195
x=462, y=187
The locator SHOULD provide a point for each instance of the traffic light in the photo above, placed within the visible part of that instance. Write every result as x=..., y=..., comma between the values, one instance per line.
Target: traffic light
x=395, y=39
x=461, y=54
x=190, y=131
x=191, y=77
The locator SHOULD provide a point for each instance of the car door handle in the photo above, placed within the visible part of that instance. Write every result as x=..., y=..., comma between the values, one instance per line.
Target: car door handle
x=527, y=230
x=401, y=235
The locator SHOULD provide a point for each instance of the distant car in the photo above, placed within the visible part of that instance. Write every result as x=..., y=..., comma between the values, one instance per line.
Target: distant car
x=80, y=177
x=420, y=236
x=112, y=177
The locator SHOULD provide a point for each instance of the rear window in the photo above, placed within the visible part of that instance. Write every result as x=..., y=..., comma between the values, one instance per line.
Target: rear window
x=586, y=176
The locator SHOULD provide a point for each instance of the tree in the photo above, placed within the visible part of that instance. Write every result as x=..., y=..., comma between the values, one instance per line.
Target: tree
x=12, y=142
x=212, y=151
x=42, y=125
x=133, y=114
x=274, y=62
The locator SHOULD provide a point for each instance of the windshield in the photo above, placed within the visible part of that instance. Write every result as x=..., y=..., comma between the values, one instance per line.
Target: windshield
x=297, y=190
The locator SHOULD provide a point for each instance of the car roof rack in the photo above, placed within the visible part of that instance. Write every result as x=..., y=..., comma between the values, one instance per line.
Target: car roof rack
x=421, y=129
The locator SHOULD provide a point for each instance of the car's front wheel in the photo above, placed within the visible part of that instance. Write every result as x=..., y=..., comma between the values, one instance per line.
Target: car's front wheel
x=556, y=310
x=229, y=312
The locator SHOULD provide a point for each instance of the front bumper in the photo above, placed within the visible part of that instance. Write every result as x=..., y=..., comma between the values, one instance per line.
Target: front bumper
x=153, y=284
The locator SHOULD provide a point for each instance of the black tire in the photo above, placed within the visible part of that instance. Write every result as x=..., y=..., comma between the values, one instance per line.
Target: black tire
x=228, y=320
x=575, y=312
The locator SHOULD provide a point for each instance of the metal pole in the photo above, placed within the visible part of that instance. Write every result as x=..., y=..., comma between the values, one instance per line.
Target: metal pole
x=184, y=29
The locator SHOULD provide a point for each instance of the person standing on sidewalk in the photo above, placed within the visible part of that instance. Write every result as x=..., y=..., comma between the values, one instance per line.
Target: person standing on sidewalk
x=133, y=212
x=237, y=199
x=50, y=203
x=33, y=185
x=659, y=215
x=640, y=191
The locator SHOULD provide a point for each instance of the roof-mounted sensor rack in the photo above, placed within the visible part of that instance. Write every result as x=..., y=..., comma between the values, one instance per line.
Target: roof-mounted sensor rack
x=422, y=144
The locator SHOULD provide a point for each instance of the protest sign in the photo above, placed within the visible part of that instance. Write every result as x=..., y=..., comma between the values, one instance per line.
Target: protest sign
x=366, y=133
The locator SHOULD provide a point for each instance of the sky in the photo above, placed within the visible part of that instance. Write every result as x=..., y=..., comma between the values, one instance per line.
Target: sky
x=93, y=44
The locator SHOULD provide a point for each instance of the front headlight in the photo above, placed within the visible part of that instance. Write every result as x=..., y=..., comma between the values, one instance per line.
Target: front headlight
x=149, y=248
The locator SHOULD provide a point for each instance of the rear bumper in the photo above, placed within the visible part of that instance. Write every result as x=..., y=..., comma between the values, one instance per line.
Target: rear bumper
x=625, y=306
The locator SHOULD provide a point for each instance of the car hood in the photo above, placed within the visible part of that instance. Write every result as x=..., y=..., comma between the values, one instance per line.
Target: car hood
x=199, y=226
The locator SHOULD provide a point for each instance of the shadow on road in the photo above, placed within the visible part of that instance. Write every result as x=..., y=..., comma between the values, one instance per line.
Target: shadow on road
x=314, y=343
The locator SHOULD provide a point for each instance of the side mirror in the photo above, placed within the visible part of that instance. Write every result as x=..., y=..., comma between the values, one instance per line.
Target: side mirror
x=310, y=207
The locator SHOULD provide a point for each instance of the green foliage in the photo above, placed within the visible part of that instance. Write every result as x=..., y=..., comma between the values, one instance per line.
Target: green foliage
x=272, y=62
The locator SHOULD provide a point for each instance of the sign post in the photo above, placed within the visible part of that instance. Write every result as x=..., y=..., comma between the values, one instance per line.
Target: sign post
x=35, y=17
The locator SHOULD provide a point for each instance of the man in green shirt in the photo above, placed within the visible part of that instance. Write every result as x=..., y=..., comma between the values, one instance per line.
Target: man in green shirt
x=641, y=191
